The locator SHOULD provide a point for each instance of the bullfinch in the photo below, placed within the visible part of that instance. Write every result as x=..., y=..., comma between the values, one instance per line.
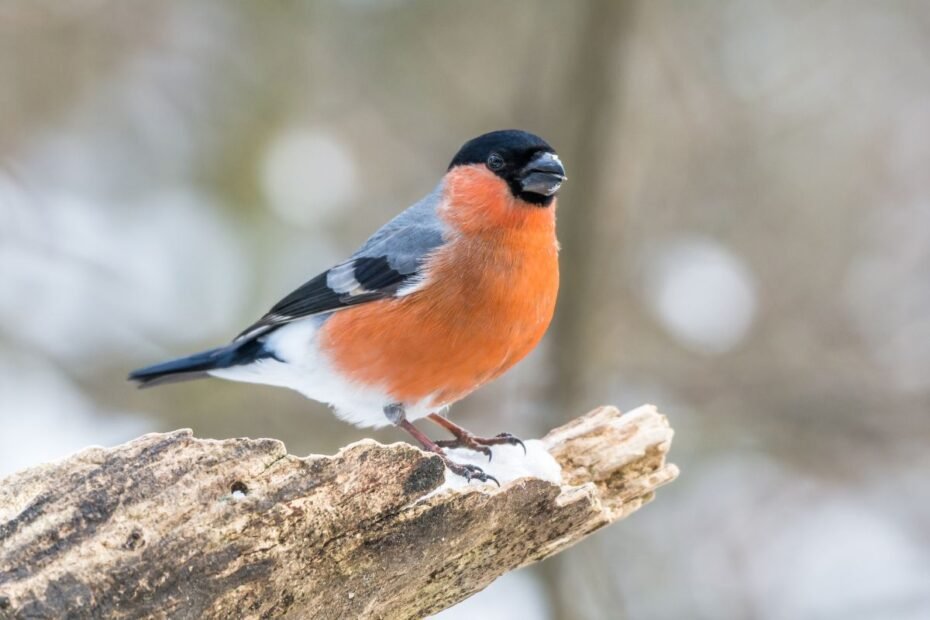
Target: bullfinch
x=445, y=297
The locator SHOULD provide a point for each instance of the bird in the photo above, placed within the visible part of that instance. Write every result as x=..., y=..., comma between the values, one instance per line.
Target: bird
x=445, y=297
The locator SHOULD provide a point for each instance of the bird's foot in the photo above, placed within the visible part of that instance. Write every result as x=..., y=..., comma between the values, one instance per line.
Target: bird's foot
x=469, y=472
x=480, y=444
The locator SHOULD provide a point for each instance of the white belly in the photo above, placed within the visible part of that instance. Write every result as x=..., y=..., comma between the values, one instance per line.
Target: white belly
x=306, y=369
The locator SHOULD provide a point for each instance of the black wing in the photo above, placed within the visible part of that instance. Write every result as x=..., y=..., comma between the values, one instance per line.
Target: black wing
x=390, y=259
x=353, y=282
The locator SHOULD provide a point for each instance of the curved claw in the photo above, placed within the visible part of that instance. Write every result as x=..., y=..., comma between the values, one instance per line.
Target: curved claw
x=456, y=443
x=480, y=444
x=472, y=472
x=512, y=440
x=481, y=476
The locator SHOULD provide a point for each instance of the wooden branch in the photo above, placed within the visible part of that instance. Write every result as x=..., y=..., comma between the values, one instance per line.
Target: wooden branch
x=172, y=526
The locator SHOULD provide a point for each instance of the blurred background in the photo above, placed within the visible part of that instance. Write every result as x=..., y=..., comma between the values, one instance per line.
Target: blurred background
x=745, y=233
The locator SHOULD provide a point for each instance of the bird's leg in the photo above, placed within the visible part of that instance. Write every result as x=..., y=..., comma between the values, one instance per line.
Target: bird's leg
x=464, y=439
x=395, y=413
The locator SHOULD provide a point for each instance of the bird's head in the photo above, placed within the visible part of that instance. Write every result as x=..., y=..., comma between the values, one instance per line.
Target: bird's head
x=526, y=163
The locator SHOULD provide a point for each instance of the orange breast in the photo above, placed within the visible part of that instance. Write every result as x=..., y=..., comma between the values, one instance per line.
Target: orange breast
x=489, y=298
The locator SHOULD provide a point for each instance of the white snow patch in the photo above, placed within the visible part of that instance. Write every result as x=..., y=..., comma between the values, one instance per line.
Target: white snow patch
x=508, y=463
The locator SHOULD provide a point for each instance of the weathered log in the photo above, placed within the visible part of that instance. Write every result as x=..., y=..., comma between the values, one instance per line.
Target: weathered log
x=168, y=525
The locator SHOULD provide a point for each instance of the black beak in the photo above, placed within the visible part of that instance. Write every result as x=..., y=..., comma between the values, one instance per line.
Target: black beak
x=544, y=175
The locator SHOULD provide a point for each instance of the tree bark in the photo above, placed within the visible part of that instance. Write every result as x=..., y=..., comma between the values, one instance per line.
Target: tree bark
x=168, y=525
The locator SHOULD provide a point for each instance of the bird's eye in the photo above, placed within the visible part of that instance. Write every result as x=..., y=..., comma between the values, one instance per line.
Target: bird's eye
x=495, y=161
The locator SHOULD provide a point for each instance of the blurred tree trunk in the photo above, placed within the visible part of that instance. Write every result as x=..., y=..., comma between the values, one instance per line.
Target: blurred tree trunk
x=594, y=112
x=591, y=108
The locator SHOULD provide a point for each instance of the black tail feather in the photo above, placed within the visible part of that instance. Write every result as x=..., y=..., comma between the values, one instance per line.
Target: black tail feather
x=197, y=366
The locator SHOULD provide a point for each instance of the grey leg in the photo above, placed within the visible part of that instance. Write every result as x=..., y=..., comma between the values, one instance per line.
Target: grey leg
x=395, y=413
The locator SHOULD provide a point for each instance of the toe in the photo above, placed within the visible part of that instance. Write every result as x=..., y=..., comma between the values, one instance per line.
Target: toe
x=486, y=477
x=513, y=440
x=472, y=472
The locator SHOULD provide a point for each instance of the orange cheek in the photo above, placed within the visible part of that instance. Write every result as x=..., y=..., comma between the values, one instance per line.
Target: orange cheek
x=477, y=200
